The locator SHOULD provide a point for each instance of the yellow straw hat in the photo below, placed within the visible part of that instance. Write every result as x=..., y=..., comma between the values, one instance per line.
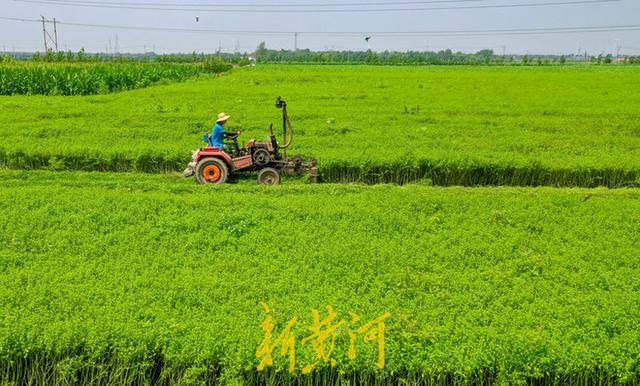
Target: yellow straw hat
x=222, y=117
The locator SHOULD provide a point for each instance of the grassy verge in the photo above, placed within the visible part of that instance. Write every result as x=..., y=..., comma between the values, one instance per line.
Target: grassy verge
x=137, y=278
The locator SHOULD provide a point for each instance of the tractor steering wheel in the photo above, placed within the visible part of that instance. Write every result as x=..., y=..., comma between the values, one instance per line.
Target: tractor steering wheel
x=234, y=135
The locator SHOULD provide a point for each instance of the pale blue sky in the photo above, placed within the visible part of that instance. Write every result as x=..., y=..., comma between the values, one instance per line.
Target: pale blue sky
x=25, y=36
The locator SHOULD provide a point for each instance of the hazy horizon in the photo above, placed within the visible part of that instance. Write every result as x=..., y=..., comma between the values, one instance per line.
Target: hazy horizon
x=27, y=36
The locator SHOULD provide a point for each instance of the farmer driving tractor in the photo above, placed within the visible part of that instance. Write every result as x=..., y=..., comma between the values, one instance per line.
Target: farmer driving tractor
x=219, y=134
x=223, y=156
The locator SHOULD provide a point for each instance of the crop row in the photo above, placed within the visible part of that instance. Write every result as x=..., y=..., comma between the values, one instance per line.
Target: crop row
x=87, y=79
x=138, y=278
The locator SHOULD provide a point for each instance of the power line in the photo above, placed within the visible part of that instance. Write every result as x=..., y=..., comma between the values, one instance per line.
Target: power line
x=271, y=10
x=264, y=4
x=270, y=5
x=517, y=31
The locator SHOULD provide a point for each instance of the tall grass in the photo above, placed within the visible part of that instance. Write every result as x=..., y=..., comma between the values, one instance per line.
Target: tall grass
x=443, y=173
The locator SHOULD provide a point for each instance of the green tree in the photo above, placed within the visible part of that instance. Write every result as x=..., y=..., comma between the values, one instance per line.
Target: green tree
x=81, y=55
x=485, y=56
x=261, y=51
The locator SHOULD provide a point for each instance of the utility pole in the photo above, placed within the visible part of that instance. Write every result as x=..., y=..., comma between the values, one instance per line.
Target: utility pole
x=55, y=33
x=295, y=41
x=219, y=48
x=44, y=35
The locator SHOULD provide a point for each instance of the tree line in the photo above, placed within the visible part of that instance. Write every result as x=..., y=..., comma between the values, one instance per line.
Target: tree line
x=262, y=54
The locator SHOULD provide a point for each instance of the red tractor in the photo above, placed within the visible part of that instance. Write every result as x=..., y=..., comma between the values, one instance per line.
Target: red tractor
x=213, y=165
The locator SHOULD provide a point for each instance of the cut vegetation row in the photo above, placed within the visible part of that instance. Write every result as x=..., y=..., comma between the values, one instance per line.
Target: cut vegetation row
x=430, y=172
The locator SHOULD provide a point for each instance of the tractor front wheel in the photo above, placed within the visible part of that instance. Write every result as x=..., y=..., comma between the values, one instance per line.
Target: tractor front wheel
x=211, y=171
x=268, y=176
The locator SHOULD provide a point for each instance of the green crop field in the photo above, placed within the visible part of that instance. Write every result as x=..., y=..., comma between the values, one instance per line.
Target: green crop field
x=498, y=242
x=559, y=126
x=87, y=78
x=117, y=278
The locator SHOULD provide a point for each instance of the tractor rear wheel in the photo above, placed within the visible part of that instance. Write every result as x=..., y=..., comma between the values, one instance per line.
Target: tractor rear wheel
x=268, y=176
x=212, y=171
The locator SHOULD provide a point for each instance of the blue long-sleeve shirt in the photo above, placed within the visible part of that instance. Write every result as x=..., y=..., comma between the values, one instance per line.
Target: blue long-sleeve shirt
x=217, y=135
